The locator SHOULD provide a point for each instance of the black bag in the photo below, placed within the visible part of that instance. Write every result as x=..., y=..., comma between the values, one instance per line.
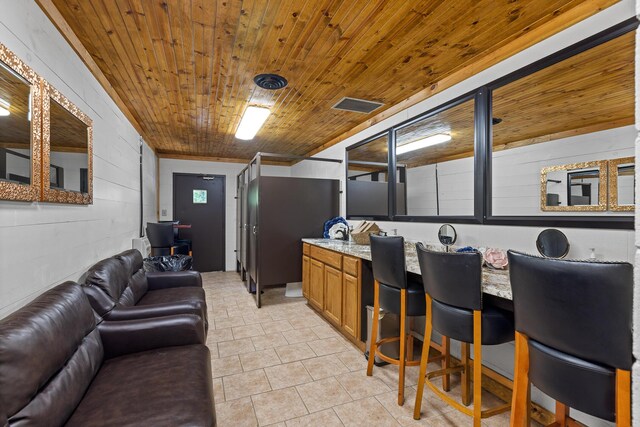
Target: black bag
x=168, y=263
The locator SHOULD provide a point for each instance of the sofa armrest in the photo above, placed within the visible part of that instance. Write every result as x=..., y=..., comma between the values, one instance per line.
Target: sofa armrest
x=173, y=279
x=154, y=310
x=133, y=336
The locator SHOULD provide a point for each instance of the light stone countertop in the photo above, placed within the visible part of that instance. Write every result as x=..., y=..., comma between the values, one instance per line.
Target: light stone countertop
x=494, y=282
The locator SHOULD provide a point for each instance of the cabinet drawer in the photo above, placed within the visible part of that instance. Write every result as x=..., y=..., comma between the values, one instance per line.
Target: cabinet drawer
x=351, y=266
x=305, y=248
x=331, y=258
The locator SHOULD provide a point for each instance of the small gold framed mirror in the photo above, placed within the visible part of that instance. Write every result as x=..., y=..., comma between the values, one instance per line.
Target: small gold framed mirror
x=622, y=184
x=67, y=150
x=574, y=187
x=20, y=119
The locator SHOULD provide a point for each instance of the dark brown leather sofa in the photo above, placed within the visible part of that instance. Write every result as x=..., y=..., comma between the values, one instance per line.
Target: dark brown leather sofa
x=58, y=368
x=119, y=289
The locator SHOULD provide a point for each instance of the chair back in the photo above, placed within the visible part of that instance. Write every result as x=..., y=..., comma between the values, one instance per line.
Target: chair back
x=453, y=278
x=582, y=308
x=388, y=261
x=160, y=234
x=176, y=230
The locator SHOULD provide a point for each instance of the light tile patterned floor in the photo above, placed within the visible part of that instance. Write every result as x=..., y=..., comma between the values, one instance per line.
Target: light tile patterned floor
x=284, y=365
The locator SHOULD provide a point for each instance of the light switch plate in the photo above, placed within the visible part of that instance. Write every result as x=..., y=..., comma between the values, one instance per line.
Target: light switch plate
x=164, y=212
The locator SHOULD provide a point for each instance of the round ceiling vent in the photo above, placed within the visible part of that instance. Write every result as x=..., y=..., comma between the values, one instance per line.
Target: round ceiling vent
x=270, y=81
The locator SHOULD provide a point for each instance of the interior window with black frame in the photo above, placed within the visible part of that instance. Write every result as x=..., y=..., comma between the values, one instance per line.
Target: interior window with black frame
x=563, y=137
x=367, y=178
x=435, y=163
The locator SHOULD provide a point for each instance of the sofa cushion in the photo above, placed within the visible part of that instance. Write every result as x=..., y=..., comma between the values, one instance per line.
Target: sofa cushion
x=164, y=387
x=161, y=296
x=137, y=285
x=110, y=275
x=50, y=351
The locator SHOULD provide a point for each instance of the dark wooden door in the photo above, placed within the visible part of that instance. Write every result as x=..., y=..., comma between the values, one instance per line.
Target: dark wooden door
x=199, y=200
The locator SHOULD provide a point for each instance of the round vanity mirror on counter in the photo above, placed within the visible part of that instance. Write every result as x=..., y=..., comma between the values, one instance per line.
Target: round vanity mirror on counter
x=552, y=243
x=447, y=235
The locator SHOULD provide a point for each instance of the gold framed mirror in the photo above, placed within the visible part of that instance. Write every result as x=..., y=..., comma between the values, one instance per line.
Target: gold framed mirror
x=67, y=150
x=574, y=187
x=20, y=130
x=622, y=184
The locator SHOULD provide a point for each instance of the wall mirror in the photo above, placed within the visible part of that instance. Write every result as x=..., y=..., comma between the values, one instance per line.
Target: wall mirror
x=552, y=243
x=67, y=171
x=367, y=178
x=447, y=235
x=574, y=187
x=622, y=184
x=20, y=95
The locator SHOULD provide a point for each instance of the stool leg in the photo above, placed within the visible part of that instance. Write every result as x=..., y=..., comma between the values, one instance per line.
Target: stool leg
x=466, y=377
x=424, y=360
x=520, y=397
x=623, y=398
x=446, y=347
x=403, y=340
x=562, y=413
x=410, y=341
x=477, y=368
x=374, y=327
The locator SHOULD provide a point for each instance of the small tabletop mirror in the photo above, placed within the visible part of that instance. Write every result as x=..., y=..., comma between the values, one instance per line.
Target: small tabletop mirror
x=447, y=235
x=552, y=243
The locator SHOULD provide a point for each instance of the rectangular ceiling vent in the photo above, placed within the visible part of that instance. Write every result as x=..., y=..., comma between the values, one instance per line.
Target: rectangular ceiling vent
x=357, y=105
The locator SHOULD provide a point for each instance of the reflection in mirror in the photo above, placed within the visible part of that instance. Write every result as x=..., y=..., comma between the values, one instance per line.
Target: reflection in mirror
x=435, y=160
x=575, y=187
x=578, y=110
x=552, y=243
x=69, y=151
x=367, y=174
x=622, y=184
x=447, y=235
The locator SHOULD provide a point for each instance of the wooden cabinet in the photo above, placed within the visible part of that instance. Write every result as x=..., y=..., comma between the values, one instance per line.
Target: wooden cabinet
x=333, y=294
x=331, y=282
x=316, y=284
x=305, y=276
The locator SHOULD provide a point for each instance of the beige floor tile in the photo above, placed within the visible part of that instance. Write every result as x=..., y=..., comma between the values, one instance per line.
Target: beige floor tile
x=247, y=331
x=295, y=336
x=219, y=335
x=323, y=394
x=359, y=385
x=366, y=412
x=324, y=331
x=213, y=350
x=326, y=418
x=276, y=326
x=279, y=405
x=245, y=384
x=225, y=366
x=259, y=359
x=230, y=348
x=218, y=390
x=229, y=322
x=269, y=341
x=431, y=406
x=328, y=346
x=291, y=353
x=353, y=359
x=237, y=413
x=287, y=375
x=325, y=366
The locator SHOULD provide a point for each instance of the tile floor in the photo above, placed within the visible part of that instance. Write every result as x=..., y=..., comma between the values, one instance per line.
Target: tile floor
x=284, y=365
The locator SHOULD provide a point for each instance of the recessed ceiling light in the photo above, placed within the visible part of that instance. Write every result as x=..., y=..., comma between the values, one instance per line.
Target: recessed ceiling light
x=251, y=122
x=4, y=108
x=436, y=139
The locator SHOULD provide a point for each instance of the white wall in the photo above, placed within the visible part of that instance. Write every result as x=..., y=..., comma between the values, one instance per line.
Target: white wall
x=43, y=244
x=230, y=170
x=609, y=244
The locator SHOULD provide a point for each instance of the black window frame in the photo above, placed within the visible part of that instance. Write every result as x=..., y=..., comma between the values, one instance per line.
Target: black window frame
x=483, y=151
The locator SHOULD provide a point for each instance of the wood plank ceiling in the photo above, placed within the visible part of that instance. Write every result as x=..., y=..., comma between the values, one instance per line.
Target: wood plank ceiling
x=184, y=69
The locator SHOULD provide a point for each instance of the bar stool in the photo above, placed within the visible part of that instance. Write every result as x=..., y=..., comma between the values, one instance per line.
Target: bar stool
x=573, y=336
x=392, y=292
x=453, y=291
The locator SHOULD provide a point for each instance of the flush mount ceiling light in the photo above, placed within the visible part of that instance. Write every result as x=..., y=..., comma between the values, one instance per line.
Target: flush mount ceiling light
x=4, y=108
x=251, y=122
x=423, y=143
x=270, y=81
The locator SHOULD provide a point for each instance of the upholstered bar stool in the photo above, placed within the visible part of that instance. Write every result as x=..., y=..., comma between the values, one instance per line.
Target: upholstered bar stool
x=395, y=294
x=453, y=293
x=573, y=336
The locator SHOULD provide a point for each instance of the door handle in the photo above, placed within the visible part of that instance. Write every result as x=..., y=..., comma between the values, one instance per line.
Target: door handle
x=254, y=230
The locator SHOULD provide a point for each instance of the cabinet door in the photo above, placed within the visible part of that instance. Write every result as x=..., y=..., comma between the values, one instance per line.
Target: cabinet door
x=316, y=283
x=350, y=305
x=305, y=276
x=333, y=294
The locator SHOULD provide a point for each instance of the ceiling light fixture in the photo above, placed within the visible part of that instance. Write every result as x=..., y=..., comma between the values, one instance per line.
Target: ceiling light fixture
x=251, y=122
x=423, y=143
x=4, y=108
